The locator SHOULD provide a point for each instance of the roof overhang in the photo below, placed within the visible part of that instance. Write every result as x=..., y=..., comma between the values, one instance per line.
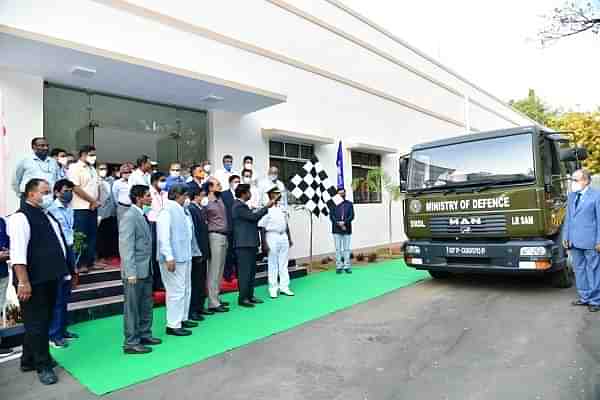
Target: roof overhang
x=300, y=137
x=108, y=72
x=371, y=148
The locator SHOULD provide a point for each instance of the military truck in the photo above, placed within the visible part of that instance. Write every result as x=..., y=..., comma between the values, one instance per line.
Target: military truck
x=490, y=202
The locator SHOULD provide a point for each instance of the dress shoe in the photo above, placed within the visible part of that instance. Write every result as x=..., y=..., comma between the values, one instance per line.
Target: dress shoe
x=47, y=376
x=273, y=293
x=59, y=344
x=246, y=303
x=189, y=324
x=225, y=303
x=348, y=270
x=287, y=292
x=207, y=312
x=338, y=271
x=578, y=302
x=219, y=309
x=150, y=341
x=137, y=349
x=256, y=300
x=5, y=352
x=70, y=335
x=178, y=332
x=594, y=308
x=196, y=317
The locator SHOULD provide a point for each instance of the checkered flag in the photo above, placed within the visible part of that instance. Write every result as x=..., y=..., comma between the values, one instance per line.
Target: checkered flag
x=314, y=189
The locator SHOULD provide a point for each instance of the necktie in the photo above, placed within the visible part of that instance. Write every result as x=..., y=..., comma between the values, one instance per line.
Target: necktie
x=577, y=199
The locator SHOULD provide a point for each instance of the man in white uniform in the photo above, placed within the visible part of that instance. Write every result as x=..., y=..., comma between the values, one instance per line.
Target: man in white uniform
x=276, y=242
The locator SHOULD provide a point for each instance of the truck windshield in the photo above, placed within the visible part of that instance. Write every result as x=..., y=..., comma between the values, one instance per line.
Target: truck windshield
x=489, y=161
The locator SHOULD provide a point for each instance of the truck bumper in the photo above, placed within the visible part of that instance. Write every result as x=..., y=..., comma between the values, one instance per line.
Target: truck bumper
x=484, y=257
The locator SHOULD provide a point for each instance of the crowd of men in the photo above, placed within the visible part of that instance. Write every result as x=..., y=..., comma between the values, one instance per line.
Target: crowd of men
x=181, y=233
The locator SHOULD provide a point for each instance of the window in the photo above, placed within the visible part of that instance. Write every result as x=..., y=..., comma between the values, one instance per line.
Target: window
x=289, y=158
x=362, y=163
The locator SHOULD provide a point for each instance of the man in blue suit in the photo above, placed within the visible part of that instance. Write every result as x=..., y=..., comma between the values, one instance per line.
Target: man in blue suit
x=581, y=235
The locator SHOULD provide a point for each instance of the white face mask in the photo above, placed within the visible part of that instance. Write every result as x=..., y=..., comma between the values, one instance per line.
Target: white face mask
x=91, y=160
x=247, y=180
x=207, y=168
x=47, y=201
x=186, y=203
x=273, y=178
x=204, y=202
x=63, y=161
x=576, y=187
x=234, y=186
x=102, y=173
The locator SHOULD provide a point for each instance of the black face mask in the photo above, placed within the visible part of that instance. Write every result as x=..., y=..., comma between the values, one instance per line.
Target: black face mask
x=41, y=154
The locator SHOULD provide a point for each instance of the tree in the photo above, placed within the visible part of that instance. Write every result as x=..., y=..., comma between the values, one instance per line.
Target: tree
x=534, y=108
x=376, y=180
x=573, y=18
x=584, y=128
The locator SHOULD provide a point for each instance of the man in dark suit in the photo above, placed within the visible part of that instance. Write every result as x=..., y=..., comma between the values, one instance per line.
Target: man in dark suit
x=200, y=255
x=581, y=235
x=135, y=247
x=245, y=242
x=341, y=217
x=228, y=197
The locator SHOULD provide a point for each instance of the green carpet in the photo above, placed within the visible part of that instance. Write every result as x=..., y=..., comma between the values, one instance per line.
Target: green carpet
x=97, y=360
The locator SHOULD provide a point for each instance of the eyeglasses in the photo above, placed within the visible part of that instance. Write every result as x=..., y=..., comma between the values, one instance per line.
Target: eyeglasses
x=175, y=170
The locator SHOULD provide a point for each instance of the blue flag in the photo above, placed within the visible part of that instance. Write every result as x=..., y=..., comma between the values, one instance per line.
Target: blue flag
x=340, y=166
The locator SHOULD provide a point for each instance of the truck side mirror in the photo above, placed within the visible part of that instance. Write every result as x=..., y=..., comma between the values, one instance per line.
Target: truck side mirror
x=573, y=154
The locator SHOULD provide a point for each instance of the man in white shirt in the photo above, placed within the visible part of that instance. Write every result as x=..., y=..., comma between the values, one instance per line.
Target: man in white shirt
x=86, y=194
x=223, y=175
x=271, y=179
x=36, y=165
x=276, y=242
x=120, y=192
x=38, y=252
x=142, y=172
x=247, y=178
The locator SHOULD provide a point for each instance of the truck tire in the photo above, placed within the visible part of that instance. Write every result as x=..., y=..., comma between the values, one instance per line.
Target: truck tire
x=439, y=274
x=563, y=278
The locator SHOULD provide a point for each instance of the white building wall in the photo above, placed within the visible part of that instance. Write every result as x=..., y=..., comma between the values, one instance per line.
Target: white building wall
x=335, y=87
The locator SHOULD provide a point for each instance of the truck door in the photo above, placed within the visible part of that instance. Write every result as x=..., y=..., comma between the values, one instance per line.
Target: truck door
x=555, y=186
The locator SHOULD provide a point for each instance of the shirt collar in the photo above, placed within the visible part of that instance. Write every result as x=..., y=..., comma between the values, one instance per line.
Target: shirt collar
x=59, y=204
x=137, y=208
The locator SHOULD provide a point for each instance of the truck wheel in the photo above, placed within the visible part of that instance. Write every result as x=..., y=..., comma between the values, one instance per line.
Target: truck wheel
x=563, y=279
x=439, y=274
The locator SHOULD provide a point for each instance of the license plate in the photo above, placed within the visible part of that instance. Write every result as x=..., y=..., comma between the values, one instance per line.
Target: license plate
x=466, y=251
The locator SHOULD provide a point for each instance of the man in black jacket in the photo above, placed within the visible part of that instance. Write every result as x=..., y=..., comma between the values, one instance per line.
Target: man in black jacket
x=245, y=242
x=199, y=262
x=228, y=197
x=341, y=217
x=38, y=252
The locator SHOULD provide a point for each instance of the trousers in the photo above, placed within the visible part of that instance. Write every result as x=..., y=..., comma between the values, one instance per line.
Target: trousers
x=37, y=313
x=246, y=257
x=586, y=265
x=342, y=250
x=178, y=285
x=59, y=321
x=279, y=248
x=137, y=311
x=199, y=267
x=218, y=251
x=86, y=222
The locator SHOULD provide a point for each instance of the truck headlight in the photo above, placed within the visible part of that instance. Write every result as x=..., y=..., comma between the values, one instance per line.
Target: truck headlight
x=533, y=251
x=413, y=250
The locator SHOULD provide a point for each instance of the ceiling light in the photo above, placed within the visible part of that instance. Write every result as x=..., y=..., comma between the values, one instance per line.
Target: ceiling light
x=83, y=72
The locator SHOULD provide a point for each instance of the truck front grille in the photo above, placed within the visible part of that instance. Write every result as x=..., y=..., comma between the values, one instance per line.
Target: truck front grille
x=490, y=225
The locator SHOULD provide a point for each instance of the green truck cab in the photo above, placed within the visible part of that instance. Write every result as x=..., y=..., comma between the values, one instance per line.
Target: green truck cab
x=490, y=202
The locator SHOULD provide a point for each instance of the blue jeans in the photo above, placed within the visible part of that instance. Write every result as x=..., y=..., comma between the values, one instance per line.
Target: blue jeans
x=58, y=324
x=86, y=222
x=342, y=250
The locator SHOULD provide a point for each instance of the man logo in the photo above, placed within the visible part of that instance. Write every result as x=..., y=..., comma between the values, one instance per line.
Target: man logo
x=415, y=206
x=462, y=221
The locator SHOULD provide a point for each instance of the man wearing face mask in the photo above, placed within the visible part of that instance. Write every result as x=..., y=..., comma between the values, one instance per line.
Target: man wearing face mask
x=38, y=252
x=200, y=255
x=61, y=210
x=175, y=232
x=341, y=217
x=198, y=177
x=159, y=198
x=35, y=166
x=247, y=178
x=175, y=177
x=224, y=174
x=142, y=172
x=85, y=203
x=108, y=232
x=135, y=246
x=60, y=156
x=267, y=183
x=581, y=235
x=228, y=197
x=120, y=191
x=248, y=163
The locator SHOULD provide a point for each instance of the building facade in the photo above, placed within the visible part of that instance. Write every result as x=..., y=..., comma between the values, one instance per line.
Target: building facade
x=279, y=80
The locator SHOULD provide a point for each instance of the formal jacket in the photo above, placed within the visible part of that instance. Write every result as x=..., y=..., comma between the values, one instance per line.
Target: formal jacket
x=245, y=224
x=174, y=231
x=198, y=215
x=342, y=212
x=228, y=199
x=4, y=245
x=582, y=224
x=135, y=245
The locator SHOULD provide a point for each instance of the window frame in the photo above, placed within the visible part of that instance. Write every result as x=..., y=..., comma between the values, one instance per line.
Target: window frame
x=285, y=158
x=356, y=195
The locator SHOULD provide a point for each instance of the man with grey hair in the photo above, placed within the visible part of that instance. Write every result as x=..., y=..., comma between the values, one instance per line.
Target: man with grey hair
x=272, y=179
x=581, y=235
